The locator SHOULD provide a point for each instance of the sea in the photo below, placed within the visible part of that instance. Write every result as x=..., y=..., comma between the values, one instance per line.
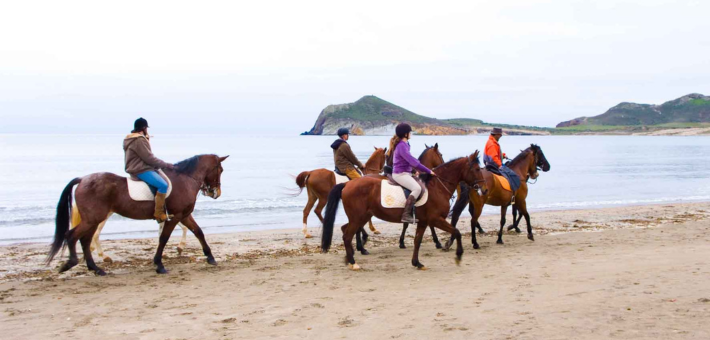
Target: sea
x=258, y=182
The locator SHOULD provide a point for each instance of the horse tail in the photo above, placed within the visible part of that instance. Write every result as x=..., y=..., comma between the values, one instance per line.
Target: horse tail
x=301, y=180
x=331, y=209
x=460, y=204
x=63, y=219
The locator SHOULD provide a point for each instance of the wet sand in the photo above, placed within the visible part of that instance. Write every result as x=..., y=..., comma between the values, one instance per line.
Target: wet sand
x=631, y=272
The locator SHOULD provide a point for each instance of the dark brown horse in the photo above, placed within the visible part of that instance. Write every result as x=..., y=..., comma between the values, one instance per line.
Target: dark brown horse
x=319, y=182
x=525, y=165
x=430, y=158
x=100, y=194
x=361, y=200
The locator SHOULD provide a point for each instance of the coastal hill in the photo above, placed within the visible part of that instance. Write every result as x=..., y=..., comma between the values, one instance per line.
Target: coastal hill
x=371, y=115
x=689, y=111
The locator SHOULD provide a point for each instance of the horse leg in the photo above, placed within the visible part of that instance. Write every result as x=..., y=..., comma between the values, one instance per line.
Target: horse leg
x=401, y=237
x=348, y=242
x=86, y=247
x=183, y=241
x=503, y=211
x=307, y=210
x=436, y=239
x=524, y=213
x=516, y=219
x=421, y=228
x=71, y=244
x=190, y=223
x=97, y=244
x=474, y=224
x=372, y=228
x=165, y=232
x=360, y=240
x=455, y=233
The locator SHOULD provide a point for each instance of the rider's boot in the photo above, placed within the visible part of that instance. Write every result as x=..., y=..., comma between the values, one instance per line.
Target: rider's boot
x=408, y=214
x=160, y=215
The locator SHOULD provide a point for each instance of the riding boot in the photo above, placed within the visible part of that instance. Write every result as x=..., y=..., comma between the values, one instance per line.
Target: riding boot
x=408, y=214
x=160, y=215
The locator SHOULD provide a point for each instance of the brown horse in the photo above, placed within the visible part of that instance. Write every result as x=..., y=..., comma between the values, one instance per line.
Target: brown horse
x=430, y=158
x=100, y=194
x=525, y=165
x=319, y=182
x=361, y=200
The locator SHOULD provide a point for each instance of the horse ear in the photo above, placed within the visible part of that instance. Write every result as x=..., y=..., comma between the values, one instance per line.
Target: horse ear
x=436, y=146
x=375, y=148
x=385, y=150
x=426, y=146
x=221, y=159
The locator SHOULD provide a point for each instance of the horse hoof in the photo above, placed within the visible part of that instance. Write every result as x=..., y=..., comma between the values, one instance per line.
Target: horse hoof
x=458, y=260
x=179, y=250
x=511, y=228
x=364, y=252
x=402, y=246
x=376, y=232
x=100, y=272
x=68, y=265
x=423, y=268
x=499, y=241
x=438, y=246
x=211, y=261
x=108, y=259
x=518, y=230
x=476, y=246
x=161, y=270
x=531, y=238
x=354, y=267
x=481, y=231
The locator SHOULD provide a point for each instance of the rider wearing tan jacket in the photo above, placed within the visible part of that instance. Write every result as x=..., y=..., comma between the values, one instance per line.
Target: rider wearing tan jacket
x=142, y=164
x=345, y=159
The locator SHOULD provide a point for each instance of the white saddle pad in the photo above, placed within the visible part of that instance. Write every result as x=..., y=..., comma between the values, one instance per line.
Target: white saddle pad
x=140, y=191
x=340, y=179
x=393, y=196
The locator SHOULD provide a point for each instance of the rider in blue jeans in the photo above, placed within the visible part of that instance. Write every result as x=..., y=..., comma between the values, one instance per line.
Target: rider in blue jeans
x=142, y=164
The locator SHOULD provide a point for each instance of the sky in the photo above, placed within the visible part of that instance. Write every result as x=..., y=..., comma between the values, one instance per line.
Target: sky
x=272, y=66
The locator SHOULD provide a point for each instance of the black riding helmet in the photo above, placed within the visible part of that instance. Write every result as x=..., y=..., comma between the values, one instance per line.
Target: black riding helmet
x=140, y=124
x=402, y=130
x=343, y=131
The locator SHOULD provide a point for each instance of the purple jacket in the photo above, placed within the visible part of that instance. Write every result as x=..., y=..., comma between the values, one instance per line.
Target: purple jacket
x=404, y=162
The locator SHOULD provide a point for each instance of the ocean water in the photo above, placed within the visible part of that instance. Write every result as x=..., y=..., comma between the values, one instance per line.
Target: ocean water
x=587, y=172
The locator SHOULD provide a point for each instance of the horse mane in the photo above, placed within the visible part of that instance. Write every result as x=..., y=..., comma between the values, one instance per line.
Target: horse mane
x=423, y=152
x=520, y=157
x=188, y=166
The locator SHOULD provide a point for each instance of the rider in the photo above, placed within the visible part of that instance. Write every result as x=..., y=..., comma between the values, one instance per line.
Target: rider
x=345, y=159
x=493, y=157
x=403, y=162
x=141, y=163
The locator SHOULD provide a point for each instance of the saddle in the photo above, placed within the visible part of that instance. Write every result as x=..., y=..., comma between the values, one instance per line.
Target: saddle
x=141, y=191
x=393, y=195
x=341, y=177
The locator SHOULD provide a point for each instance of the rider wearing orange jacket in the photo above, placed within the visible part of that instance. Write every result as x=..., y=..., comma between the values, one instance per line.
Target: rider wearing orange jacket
x=492, y=154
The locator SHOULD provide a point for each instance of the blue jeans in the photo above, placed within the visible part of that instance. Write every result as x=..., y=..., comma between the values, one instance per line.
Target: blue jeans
x=154, y=179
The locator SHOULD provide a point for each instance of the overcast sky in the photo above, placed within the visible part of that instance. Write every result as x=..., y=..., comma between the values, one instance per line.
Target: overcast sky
x=272, y=66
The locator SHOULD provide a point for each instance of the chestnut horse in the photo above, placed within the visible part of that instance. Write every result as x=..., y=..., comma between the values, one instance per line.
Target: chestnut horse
x=319, y=182
x=361, y=200
x=100, y=194
x=525, y=165
x=430, y=158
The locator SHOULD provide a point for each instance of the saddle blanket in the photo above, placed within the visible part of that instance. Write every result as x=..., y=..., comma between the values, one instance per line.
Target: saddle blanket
x=392, y=196
x=503, y=182
x=340, y=179
x=140, y=191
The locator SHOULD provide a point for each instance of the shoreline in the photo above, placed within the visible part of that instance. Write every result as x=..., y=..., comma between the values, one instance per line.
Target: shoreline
x=24, y=261
x=627, y=273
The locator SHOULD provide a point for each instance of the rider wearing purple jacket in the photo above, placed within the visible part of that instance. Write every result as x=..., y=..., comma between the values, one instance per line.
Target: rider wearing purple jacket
x=403, y=162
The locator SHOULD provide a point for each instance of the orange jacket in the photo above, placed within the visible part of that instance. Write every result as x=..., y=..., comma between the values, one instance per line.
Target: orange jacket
x=492, y=152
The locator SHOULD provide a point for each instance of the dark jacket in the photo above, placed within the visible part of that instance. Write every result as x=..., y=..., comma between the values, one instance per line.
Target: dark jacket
x=344, y=157
x=139, y=157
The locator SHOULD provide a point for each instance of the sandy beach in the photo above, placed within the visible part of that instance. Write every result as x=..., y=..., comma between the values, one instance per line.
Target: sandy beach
x=631, y=272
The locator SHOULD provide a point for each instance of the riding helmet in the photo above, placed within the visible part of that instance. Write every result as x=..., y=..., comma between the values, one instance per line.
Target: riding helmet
x=343, y=131
x=402, y=130
x=140, y=124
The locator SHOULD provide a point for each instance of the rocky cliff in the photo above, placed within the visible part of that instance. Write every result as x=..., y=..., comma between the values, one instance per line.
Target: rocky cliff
x=371, y=115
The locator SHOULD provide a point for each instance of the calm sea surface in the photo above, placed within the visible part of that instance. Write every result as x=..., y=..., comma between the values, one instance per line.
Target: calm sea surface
x=587, y=172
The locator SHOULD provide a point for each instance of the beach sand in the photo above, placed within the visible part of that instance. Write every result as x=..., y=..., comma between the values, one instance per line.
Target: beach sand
x=630, y=273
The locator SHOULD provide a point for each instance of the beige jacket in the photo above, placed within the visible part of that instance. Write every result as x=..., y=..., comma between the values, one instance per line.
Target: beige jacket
x=139, y=157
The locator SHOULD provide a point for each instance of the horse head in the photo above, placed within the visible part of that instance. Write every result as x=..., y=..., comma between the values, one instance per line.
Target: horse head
x=211, y=169
x=376, y=161
x=431, y=157
x=473, y=176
